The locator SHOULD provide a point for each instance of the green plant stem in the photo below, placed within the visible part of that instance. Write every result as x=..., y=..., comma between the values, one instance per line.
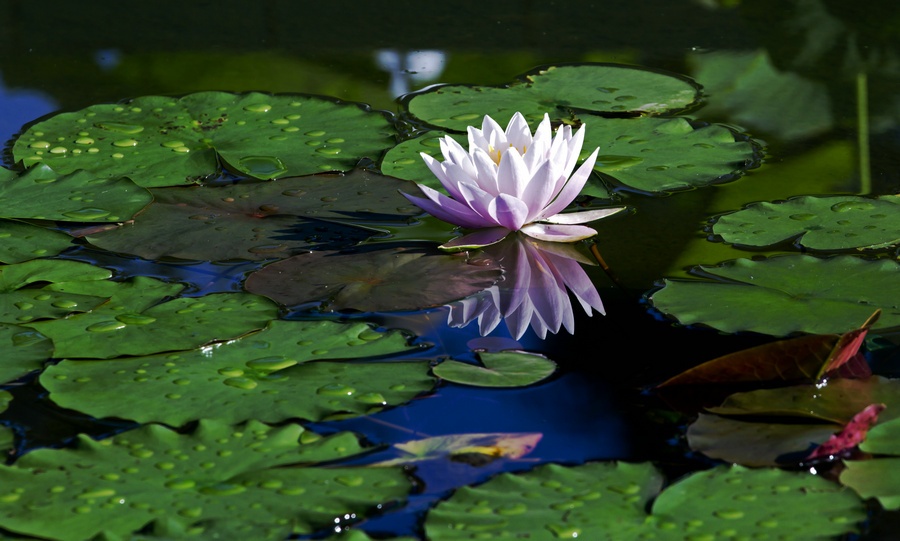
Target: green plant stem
x=862, y=124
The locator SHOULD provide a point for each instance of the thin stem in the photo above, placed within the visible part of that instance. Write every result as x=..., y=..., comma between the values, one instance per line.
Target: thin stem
x=862, y=126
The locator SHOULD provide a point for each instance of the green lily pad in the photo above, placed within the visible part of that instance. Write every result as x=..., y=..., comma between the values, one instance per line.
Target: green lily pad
x=192, y=485
x=20, y=241
x=400, y=279
x=878, y=477
x=605, y=88
x=821, y=223
x=134, y=322
x=502, y=369
x=781, y=295
x=259, y=376
x=253, y=220
x=608, y=501
x=21, y=304
x=7, y=437
x=163, y=141
x=23, y=349
x=42, y=194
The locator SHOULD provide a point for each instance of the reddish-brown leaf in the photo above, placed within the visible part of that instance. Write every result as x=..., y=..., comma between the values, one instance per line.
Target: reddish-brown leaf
x=852, y=435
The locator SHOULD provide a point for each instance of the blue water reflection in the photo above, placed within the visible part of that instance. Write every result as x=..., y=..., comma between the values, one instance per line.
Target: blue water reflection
x=18, y=106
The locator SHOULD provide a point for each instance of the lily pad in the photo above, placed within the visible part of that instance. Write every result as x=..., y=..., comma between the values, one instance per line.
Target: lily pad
x=163, y=141
x=400, y=279
x=557, y=90
x=255, y=220
x=20, y=303
x=878, y=477
x=786, y=294
x=817, y=223
x=501, y=369
x=42, y=194
x=20, y=241
x=259, y=376
x=134, y=322
x=608, y=500
x=187, y=485
x=6, y=435
x=24, y=350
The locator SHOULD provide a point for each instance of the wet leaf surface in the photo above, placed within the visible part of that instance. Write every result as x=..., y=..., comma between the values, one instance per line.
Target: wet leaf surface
x=262, y=376
x=192, y=484
x=818, y=223
x=24, y=350
x=22, y=301
x=781, y=295
x=398, y=279
x=20, y=241
x=163, y=141
x=501, y=369
x=257, y=220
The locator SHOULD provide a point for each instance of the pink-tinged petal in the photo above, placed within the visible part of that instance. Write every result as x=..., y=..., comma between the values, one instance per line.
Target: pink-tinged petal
x=455, y=175
x=480, y=202
x=582, y=217
x=573, y=187
x=438, y=169
x=477, y=239
x=509, y=211
x=577, y=281
x=558, y=233
x=449, y=211
x=518, y=134
x=512, y=174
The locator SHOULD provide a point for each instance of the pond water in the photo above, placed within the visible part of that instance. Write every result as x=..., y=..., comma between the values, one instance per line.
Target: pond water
x=813, y=85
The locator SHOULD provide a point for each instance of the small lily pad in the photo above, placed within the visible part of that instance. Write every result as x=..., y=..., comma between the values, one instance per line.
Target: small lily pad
x=20, y=241
x=608, y=501
x=261, y=376
x=163, y=141
x=400, y=279
x=781, y=295
x=878, y=477
x=20, y=304
x=557, y=90
x=501, y=369
x=42, y=194
x=134, y=322
x=188, y=485
x=818, y=223
x=256, y=220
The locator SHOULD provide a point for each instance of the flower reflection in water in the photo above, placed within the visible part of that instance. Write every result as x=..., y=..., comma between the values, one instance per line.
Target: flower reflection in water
x=533, y=290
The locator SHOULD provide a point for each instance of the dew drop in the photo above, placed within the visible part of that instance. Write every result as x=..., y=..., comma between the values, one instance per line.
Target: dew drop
x=58, y=150
x=84, y=141
x=135, y=319
x=191, y=512
x=350, y=480
x=329, y=151
x=730, y=514
x=802, y=217
x=264, y=167
x=181, y=484
x=43, y=145
x=231, y=372
x=106, y=326
x=241, y=383
x=99, y=493
x=843, y=206
x=271, y=364
x=563, y=531
x=466, y=117
x=223, y=489
x=612, y=162
x=125, y=143
x=258, y=108
x=336, y=389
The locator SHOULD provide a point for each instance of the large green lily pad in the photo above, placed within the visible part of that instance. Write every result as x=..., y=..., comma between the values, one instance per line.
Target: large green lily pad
x=42, y=194
x=501, y=369
x=820, y=223
x=878, y=477
x=253, y=220
x=135, y=322
x=400, y=279
x=608, y=501
x=259, y=376
x=20, y=303
x=23, y=350
x=781, y=295
x=557, y=90
x=163, y=141
x=192, y=485
x=20, y=241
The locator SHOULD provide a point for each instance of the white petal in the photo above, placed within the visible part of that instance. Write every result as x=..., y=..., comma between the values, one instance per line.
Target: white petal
x=582, y=217
x=486, y=171
x=575, y=144
x=518, y=134
x=573, y=187
x=453, y=152
x=540, y=190
x=480, y=202
x=558, y=233
x=477, y=239
x=477, y=139
x=512, y=174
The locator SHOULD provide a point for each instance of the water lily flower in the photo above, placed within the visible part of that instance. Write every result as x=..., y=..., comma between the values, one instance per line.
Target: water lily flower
x=511, y=181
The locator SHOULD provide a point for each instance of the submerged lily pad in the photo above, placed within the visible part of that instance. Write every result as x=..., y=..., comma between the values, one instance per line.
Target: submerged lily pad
x=20, y=303
x=192, y=485
x=502, y=369
x=163, y=141
x=819, y=223
x=135, y=322
x=608, y=501
x=401, y=279
x=42, y=194
x=781, y=295
x=254, y=220
x=20, y=241
x=557, y=90
x=260, y=376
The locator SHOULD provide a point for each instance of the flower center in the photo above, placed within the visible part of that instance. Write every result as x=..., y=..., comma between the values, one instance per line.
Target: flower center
x=496, y=153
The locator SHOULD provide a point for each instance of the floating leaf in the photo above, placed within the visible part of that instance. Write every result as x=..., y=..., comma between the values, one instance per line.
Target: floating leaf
x=259, y=376
x=608, y=500
x=255, y=220
x=20, y=241
x=781, y=295
x=21, y=304
x=879, y=477
x=852, y=434
x=502, y=369
x=818, y=223
x=6, y=435
x=491, y=445
x=190, y=485
x=400, y=279
x=42, y=194
x=134, y=322
x=607, y=88
x=23, y=350
x=163, y=141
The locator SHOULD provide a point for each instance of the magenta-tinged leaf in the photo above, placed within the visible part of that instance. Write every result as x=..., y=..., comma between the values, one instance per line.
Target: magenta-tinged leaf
x=852, y=435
